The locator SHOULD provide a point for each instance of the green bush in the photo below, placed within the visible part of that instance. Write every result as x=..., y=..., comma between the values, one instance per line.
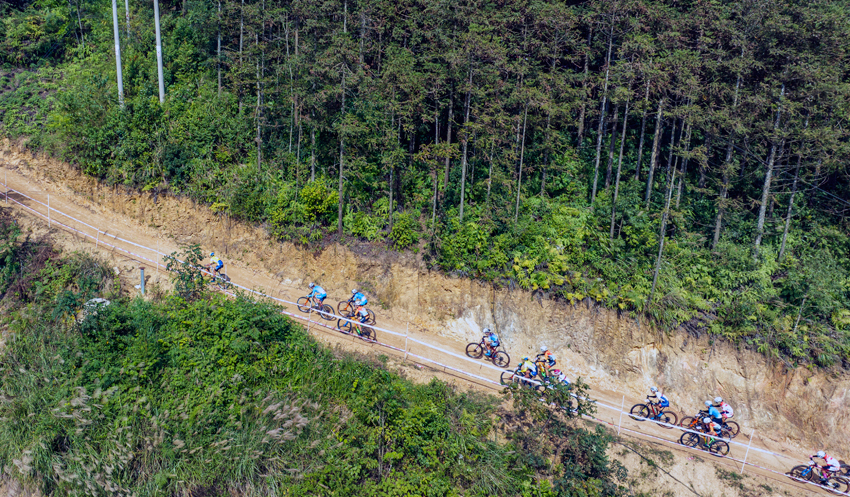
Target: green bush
x=405, y=230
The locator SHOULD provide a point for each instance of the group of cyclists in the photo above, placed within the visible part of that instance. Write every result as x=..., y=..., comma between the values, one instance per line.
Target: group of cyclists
x=543, y=368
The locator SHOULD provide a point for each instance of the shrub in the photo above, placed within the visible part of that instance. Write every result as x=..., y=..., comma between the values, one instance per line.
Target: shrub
x=405, y=230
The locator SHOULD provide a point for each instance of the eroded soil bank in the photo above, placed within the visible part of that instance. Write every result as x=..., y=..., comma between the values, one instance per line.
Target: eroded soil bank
x=790, y=409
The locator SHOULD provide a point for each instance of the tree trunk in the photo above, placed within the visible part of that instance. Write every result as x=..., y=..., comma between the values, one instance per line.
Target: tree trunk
x=670, y=157
x=790, y=208
x=684, y=165
x=768, y=176
x=611, y=146
x=259, y=110
x=521, y=157
x=218, y=49
x=241, y=38
x=80, y=23
x=662, y=235
x=619, y=170
x=602, y=106
x=465, y=143
x=449, y=137
x=341, y=159
x=584, y=81
x=724, y=192
x=436, y=166
x=313, y=152
x=546, y=152
x=642, y=130
x=490, y=174
x=703, y=163
x=654, y=156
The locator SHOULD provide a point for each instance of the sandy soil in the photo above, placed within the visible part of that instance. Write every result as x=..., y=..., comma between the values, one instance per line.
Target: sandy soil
x=687, y=472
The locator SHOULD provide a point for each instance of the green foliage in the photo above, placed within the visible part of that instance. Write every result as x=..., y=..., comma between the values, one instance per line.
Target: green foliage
x=215, y=394
x=185, y=267
x=405, y=230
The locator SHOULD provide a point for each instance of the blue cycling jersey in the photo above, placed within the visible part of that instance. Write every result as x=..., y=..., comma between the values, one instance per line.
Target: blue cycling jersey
x=493, y=339
x=663, y=402
x=318, y=292
x=359, y=299
x=714, y=413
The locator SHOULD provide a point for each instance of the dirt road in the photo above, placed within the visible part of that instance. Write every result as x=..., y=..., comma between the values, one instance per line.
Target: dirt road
x=104, y=229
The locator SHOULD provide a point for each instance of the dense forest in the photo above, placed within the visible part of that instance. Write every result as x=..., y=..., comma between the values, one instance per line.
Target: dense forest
x=193, y=393
x=676, y=160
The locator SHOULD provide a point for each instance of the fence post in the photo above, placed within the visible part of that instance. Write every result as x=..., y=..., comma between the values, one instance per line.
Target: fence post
x=142, y=284
x=744, y=463
x=406, y=331
x=48, y=210
x=157, y=256
x=620, y=422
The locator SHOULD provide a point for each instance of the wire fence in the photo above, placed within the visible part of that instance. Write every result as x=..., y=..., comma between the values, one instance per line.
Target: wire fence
x=153, y=256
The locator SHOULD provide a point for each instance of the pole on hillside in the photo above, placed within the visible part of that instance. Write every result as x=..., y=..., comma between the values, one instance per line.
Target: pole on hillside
x=620, y=422
x=158, y=51
x=406, y=331
x=117, y=53
x=744, y=462
x=48, y=210
x=142, y=284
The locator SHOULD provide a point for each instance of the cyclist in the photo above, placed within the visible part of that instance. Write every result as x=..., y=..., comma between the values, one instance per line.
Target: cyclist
x=215, y=265
x=725, y=409
x=546, y=358
x=362, y=316
x=714, y=412
x=527, y=368
x=491, y=342
x=318, y=294
x=830, y=466
x=560, y=377
x=710, y=427
x=358, y=298
x=658, y=398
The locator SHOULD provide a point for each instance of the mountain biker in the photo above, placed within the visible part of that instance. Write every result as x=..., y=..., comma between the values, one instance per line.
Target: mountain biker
x=318, y=294
x=491, y=342
x=215, y=264
x=358, y=298
x=830, y=466
x=527, y=368
x=710, y=427
x=560, y=377
x=726, y=411
x=714, y=412
x=662, y=401
x=546, y=358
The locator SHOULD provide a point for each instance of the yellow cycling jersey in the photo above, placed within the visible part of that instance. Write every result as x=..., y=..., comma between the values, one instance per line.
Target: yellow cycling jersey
x=214, y=260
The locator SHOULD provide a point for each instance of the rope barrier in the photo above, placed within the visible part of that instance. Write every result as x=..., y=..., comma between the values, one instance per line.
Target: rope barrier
x=405, y=350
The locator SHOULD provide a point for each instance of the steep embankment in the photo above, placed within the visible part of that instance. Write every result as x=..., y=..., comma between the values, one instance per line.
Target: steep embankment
x=791, y=409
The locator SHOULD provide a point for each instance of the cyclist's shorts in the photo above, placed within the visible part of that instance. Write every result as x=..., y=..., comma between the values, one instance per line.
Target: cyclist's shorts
x=494, y=343
x=664, y=403
x=219, y=265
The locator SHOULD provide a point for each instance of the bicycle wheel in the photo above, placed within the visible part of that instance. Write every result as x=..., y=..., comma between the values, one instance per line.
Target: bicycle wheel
x=344, y=326
x=837, y=484
x=367, y=333
x=507, y=378
x=718, y=448
x=303, y=304
x=639, y=411
x=669, y=418
x=688, y=422
x=345, y=308
x=689, y=439
x=733, y=428
x=371, y=318
x=801, y=473
x=845, y=468
x=501, y=359
x=327, y=312
x=474, y=350
x=222, y=281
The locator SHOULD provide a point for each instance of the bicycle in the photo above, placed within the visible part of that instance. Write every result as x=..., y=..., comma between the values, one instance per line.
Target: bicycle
x=713, y=445
x=500, y=358
x=509, y=378
x=729, y=429
x=353, y=327
x=653, y=412
x=347, y=308
x=222, y=281
x=305, y=303
x=834, y=483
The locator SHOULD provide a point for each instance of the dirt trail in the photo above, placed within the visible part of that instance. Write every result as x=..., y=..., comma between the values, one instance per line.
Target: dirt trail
x=167, y=223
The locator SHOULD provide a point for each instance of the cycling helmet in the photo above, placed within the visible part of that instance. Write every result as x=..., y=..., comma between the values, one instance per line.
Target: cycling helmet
x=487, y=331
x=653, y=389
x=706, y=420
x=354, y=291
x=718, y=400
x=212, y=254
x=311, y=285
x=543, y=349
x=707, y=403
x=821, y=453
x=524, y=359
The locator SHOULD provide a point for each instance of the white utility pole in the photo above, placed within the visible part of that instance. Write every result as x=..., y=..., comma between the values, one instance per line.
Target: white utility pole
x=158, y=51
x=117, y=53
x=127, y=15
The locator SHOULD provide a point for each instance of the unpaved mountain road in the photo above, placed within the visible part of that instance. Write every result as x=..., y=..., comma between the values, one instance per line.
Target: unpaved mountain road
x=78, y=210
